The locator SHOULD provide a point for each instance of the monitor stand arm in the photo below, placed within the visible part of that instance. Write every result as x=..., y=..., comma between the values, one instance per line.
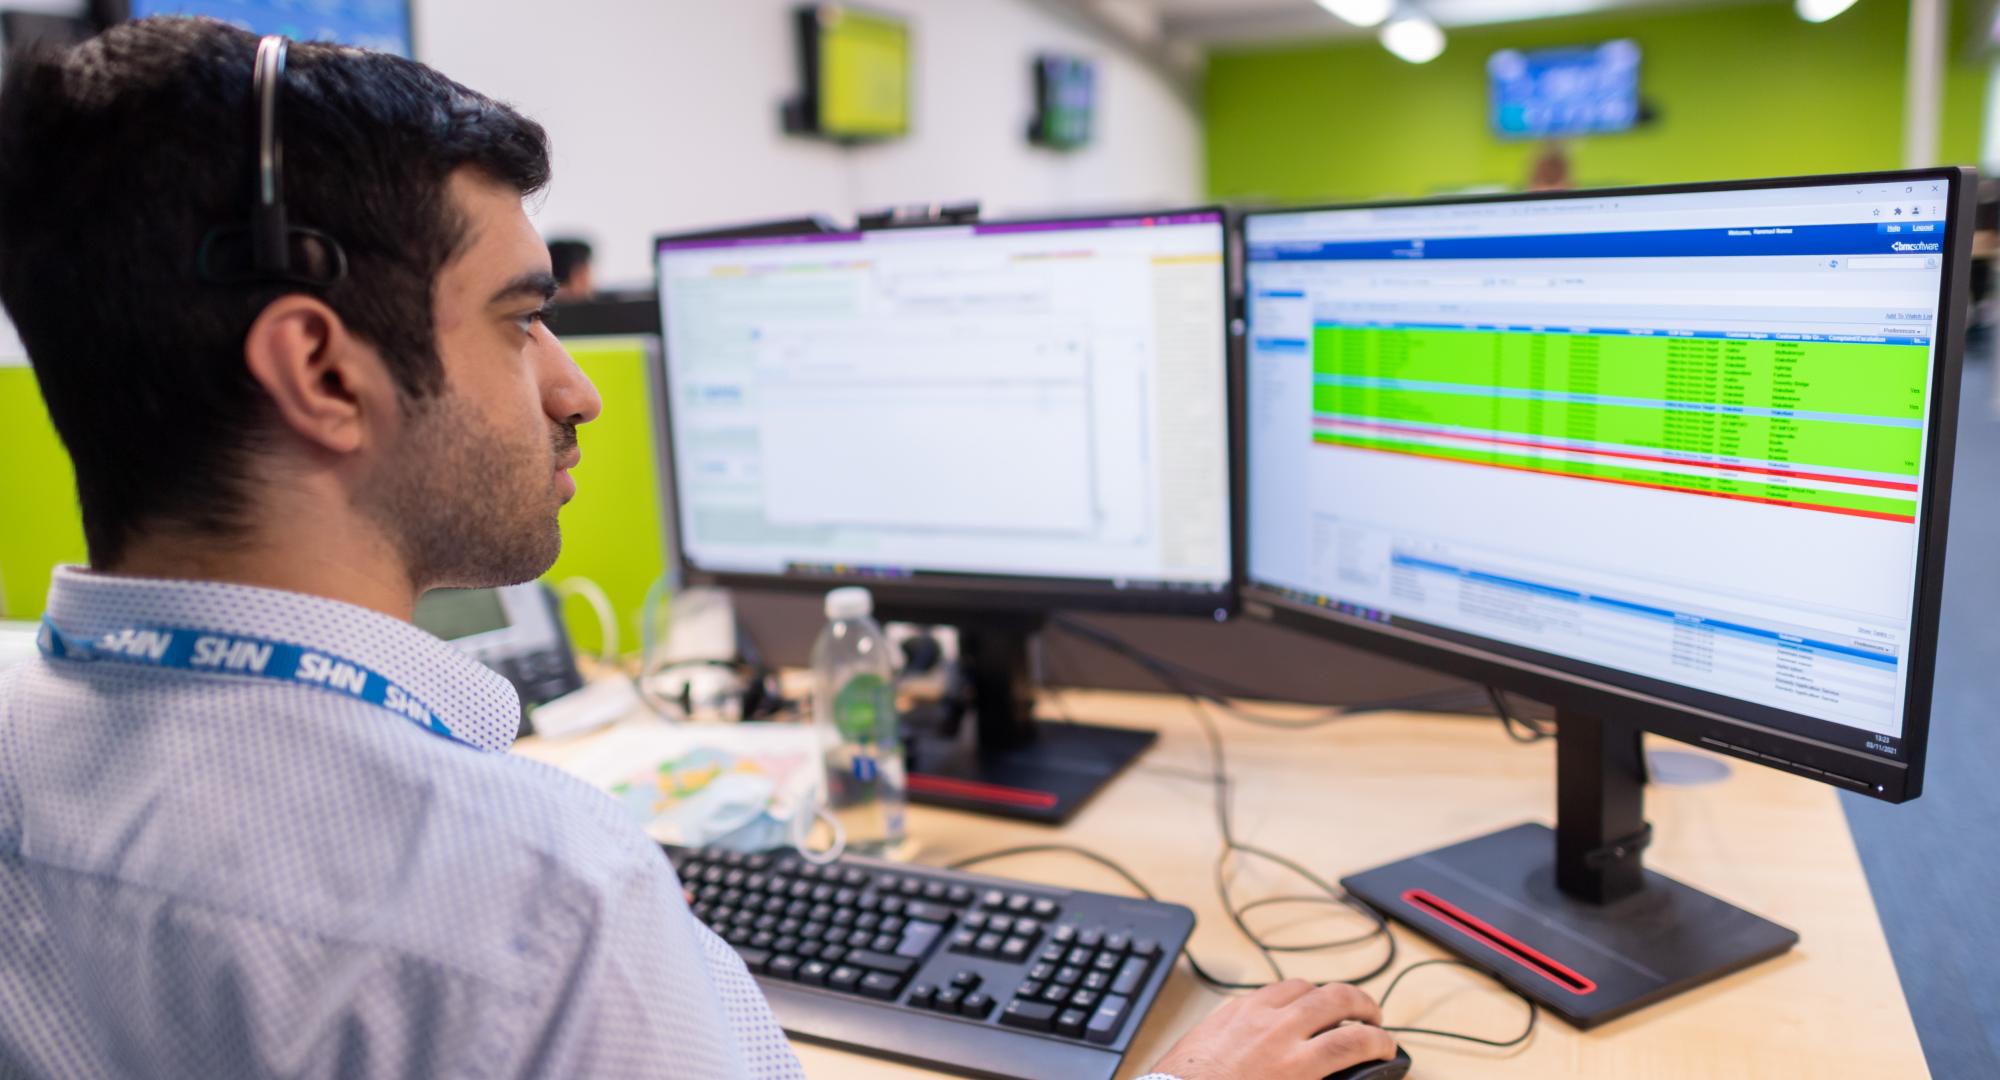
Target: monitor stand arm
x=1009, y=763
x=1570, y=916
x=1601, y=829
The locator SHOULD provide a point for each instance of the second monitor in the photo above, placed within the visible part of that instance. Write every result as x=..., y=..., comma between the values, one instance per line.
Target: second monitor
x=983, y=423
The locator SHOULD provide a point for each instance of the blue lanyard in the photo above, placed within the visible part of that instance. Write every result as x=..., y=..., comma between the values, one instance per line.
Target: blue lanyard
x=211, y=652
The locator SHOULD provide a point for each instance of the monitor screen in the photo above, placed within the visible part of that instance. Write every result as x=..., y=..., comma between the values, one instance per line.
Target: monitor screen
x=1040, y=400
x=864, y=73
x=367, y=24
x=1557, y=92
x=1675, y=443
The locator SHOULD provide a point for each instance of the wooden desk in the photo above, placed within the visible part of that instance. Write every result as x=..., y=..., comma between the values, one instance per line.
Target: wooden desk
x=1367, y=790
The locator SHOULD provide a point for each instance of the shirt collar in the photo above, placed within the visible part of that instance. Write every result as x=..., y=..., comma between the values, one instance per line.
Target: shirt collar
x=479, y=705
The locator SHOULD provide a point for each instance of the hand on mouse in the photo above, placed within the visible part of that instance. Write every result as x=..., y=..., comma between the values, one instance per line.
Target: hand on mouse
x=1291, y=1030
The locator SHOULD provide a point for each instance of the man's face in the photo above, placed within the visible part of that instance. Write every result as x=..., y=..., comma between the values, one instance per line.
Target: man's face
x=473, y=484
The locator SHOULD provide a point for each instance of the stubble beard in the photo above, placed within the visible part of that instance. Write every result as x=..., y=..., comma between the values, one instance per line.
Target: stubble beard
x=466, y=506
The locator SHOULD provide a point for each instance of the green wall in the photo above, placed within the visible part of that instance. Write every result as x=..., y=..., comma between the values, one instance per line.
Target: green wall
x=1739, y=91
x=611, y=530
x=39, y=523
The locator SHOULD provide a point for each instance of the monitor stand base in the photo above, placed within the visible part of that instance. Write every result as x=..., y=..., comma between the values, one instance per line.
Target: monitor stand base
x=1570, y=916
x=1493, y=902
x=1045, y=779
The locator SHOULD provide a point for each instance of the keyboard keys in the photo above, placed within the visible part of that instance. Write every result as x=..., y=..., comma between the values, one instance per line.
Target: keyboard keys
x=1070, y=1022
x=922, y=909
x=814, y=972
x=1105, y=962
x=918, y=937
x=783, y=967
x=988, y=943
x=1130, y=975
x=754, y=959
x=964, y=941
x=1042, y=971
x=1145, y=947
x=1068, y=976
x=976, y=1005
x=958, y=895
x=1084, y=999
x=1000, y=924
x=1118, y=942
x=1028, y=928
x=881, y=984
x=832, y=954
x=844, y=977
x=1078, y=957
x=1055, y=993
x=1015, y=949
x=1096, y=980
x=947, y=999
x=1090, y=939
x=1043, y=908
x=1063, y=935
x=1052, y=953
x=966, y=980
x=1032, y=1015
x=922, y=996
x=1109, y=1017
x=899, y=966
x=1019, y=902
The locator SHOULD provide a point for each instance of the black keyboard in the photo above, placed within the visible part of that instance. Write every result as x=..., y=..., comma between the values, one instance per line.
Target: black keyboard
x=957, y=971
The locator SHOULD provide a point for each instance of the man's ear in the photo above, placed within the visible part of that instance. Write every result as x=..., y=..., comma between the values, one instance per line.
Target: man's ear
x=326, y=385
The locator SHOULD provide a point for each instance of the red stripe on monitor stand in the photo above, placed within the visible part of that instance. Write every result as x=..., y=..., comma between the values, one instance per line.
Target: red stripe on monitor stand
x=1499, y=941
x=1530, y=444
x=1878, y=515
x=973, y=789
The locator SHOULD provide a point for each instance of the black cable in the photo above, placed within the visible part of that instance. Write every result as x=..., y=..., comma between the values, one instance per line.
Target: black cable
x=1534, y=1011
x=1186, y=681
x=1199, y=701
x=1536, y=733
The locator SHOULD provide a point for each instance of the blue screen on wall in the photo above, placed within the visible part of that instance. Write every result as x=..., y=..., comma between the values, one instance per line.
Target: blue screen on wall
x=369, y=24
x=1555, y=92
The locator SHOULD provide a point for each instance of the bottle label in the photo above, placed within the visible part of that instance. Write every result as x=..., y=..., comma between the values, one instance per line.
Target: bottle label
x=857, y=708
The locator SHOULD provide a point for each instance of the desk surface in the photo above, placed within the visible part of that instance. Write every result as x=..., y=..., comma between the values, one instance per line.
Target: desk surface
x=1370, y=789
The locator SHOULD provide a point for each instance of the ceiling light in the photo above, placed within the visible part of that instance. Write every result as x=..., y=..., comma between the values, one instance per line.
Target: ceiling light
x=1415, y=38
x=1821, y=10
x=1361, y=12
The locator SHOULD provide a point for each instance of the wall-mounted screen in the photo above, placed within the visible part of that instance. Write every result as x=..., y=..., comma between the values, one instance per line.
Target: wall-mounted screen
x=367, y=24
x=1556, y=92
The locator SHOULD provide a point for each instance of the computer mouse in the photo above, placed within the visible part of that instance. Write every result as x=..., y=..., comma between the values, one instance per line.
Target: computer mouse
x=1394, y=1069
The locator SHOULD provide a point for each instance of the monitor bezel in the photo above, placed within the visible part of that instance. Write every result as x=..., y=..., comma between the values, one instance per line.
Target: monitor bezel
x=951, y=592
x=1748, y=730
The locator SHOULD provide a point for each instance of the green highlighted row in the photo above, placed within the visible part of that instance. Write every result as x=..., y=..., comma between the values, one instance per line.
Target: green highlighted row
x=1778, y=491
x=1813, y=376
x=1872, y=447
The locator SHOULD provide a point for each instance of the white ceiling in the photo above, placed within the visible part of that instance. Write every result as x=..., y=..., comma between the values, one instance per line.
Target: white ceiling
x=1220, y=21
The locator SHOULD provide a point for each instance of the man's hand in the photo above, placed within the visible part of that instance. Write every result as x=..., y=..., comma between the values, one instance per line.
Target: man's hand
x=1291, y=1030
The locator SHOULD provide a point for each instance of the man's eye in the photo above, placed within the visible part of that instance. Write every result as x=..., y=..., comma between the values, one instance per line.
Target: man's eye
x=527, y=322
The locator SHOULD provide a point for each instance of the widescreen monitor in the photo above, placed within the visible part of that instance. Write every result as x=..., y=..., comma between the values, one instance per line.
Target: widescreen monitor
x=982, y=423
x=368, y=24
x=1669, y=459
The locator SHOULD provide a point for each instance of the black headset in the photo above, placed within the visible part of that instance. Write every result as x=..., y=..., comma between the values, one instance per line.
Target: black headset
x=269, y=248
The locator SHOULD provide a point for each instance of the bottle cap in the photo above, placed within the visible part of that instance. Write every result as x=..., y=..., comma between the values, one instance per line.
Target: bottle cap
x=851, y=602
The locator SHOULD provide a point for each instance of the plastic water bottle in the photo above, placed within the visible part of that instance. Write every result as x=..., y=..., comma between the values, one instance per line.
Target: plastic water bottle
x=854, y=706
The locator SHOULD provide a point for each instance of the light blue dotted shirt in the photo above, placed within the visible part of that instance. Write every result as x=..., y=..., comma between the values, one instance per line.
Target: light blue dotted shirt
x=213, y=876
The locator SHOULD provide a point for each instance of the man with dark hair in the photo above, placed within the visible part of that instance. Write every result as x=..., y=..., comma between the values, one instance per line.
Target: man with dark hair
x=251, y=820
x=207, y=873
